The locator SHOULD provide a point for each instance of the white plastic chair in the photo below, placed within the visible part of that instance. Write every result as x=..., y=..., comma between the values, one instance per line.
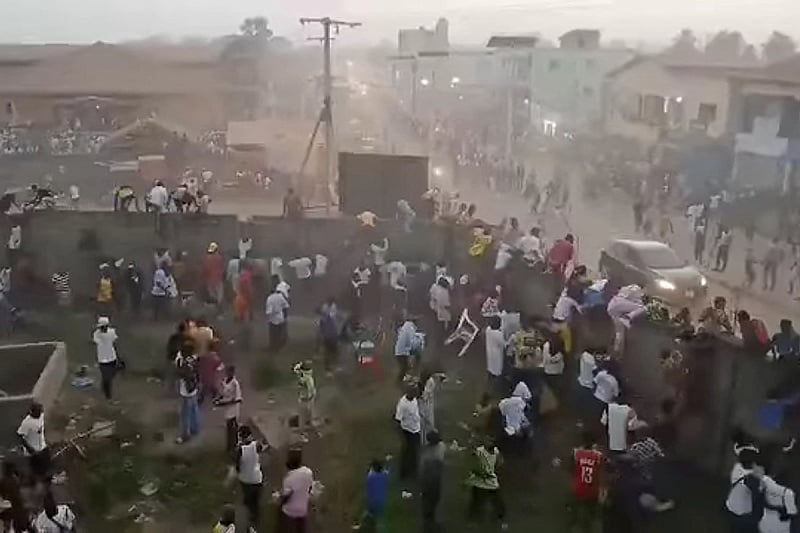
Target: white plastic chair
x=466, y=330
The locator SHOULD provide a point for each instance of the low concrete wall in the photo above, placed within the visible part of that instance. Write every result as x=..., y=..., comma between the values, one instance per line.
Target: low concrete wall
x=57, y=240
x=28, y=372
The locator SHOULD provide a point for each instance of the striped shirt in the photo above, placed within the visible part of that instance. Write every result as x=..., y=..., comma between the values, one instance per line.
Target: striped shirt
x=61, y=284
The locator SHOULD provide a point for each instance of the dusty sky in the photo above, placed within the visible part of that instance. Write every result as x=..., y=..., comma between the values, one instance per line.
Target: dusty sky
x=471, y=21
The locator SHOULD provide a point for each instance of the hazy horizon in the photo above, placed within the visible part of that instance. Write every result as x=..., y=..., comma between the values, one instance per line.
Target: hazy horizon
x=471, y=21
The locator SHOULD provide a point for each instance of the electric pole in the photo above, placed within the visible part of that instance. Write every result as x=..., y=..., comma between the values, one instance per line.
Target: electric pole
x=326, y=114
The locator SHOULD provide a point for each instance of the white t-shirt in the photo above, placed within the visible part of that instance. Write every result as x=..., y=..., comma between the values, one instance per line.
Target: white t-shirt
x=776, y=495
x=586, y=373
x=284, y=288
x=740, y=500
x=363, y=274
x=276, y=266
x=250, y=465
x=606, y=387
x=397, y=272
x=320, y=265
x=379, y=252
x=15, y=238
x=530, y=246
x=32, y=430
x=513, y=411
x=275, y=307
x=407, y=413
x=232, y=391
x=565, y=307
x=553, y=362
x=302, y=267
x=503, y=257
x=245, y=245
x=440, y=302
x=495, y=349
x=62, y=522
x=159, y=197
x=74, y=192
x=104, y=340
x=616, y=418
x=297, y=485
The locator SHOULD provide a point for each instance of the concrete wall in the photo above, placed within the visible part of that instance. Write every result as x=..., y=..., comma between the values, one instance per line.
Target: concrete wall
x=52, y=238
x=28, y=372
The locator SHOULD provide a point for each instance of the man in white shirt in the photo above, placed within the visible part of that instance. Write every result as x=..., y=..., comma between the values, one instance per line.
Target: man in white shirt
x=531, y=246
x=408, y=417
x=379, y=249
x=513, y=411
x=320, y=266
x=780, y=506
x=245, y=245
x=397, y=272
x=275, y=309
x=31, y=435
x=158, y=198
x=620, y=418
x=249, y=473
x=745, y=477
x=302, y=267
x=606, y=386
x=104, y=338
x=231, y=400
x=495, y=351
x=296, y=493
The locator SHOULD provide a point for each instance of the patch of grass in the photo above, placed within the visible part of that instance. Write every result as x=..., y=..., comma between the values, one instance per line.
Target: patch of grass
x=267, y=374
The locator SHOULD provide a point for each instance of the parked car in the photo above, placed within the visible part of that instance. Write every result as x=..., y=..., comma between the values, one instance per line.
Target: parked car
x=656, y=268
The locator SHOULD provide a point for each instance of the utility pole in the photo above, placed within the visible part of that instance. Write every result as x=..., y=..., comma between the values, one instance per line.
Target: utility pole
x=326, y=114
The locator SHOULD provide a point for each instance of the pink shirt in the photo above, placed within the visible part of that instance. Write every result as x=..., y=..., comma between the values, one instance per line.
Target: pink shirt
x=297, y=484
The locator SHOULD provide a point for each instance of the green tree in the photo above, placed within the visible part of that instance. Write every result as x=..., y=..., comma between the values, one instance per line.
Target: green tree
x=779, y=46
x=256, y=27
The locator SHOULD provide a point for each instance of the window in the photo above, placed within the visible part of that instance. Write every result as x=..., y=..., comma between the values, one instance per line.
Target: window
x=654, y=109
x=707, y=113
x=554, y=65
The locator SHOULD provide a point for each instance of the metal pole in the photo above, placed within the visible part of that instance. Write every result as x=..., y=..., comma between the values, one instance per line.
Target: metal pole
x=328, y=104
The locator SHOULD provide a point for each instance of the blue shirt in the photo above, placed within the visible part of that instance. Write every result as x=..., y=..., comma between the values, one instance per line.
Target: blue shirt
x=377, y=491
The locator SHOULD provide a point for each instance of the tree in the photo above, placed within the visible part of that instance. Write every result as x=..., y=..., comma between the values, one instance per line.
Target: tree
x=726, y=46
x=256, y=27
x=779, y=46
x=684, y=45
x=749, y=55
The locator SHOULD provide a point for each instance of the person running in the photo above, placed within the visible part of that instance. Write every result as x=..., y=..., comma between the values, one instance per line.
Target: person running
x=431, y=470
x=231, y=401
x=250, y=475
x=377, y=496
x=410, y=422
x=295, y=494
x=772, y=258
x=31, y=436
x=105, y=338
x=723, y=249
x=484, y=483
x=586, y=481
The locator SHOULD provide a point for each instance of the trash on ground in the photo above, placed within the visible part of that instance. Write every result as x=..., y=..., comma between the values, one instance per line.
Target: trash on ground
x=149, y=488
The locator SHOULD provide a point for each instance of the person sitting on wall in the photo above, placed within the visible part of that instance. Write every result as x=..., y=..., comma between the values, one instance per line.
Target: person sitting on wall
x=124, y=196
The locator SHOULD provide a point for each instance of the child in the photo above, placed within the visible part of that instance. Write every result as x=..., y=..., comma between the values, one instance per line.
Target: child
x=227, y=522
x=307, y=391
x=377, y=495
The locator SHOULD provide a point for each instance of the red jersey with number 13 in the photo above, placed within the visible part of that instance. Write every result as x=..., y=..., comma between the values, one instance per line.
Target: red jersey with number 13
x=586, y=482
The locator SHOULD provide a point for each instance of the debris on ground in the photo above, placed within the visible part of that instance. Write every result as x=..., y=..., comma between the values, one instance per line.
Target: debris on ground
x=456, y=447
x=148, y=488
x=103, y=429
x=406, y=495
x=153, y=379
x=556, y=462
x=465, y=426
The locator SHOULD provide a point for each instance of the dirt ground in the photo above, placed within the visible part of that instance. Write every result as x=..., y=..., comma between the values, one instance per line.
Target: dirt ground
x=356, y=408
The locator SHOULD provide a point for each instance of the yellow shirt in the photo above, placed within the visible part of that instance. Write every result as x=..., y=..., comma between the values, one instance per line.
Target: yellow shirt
x=105, y=291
